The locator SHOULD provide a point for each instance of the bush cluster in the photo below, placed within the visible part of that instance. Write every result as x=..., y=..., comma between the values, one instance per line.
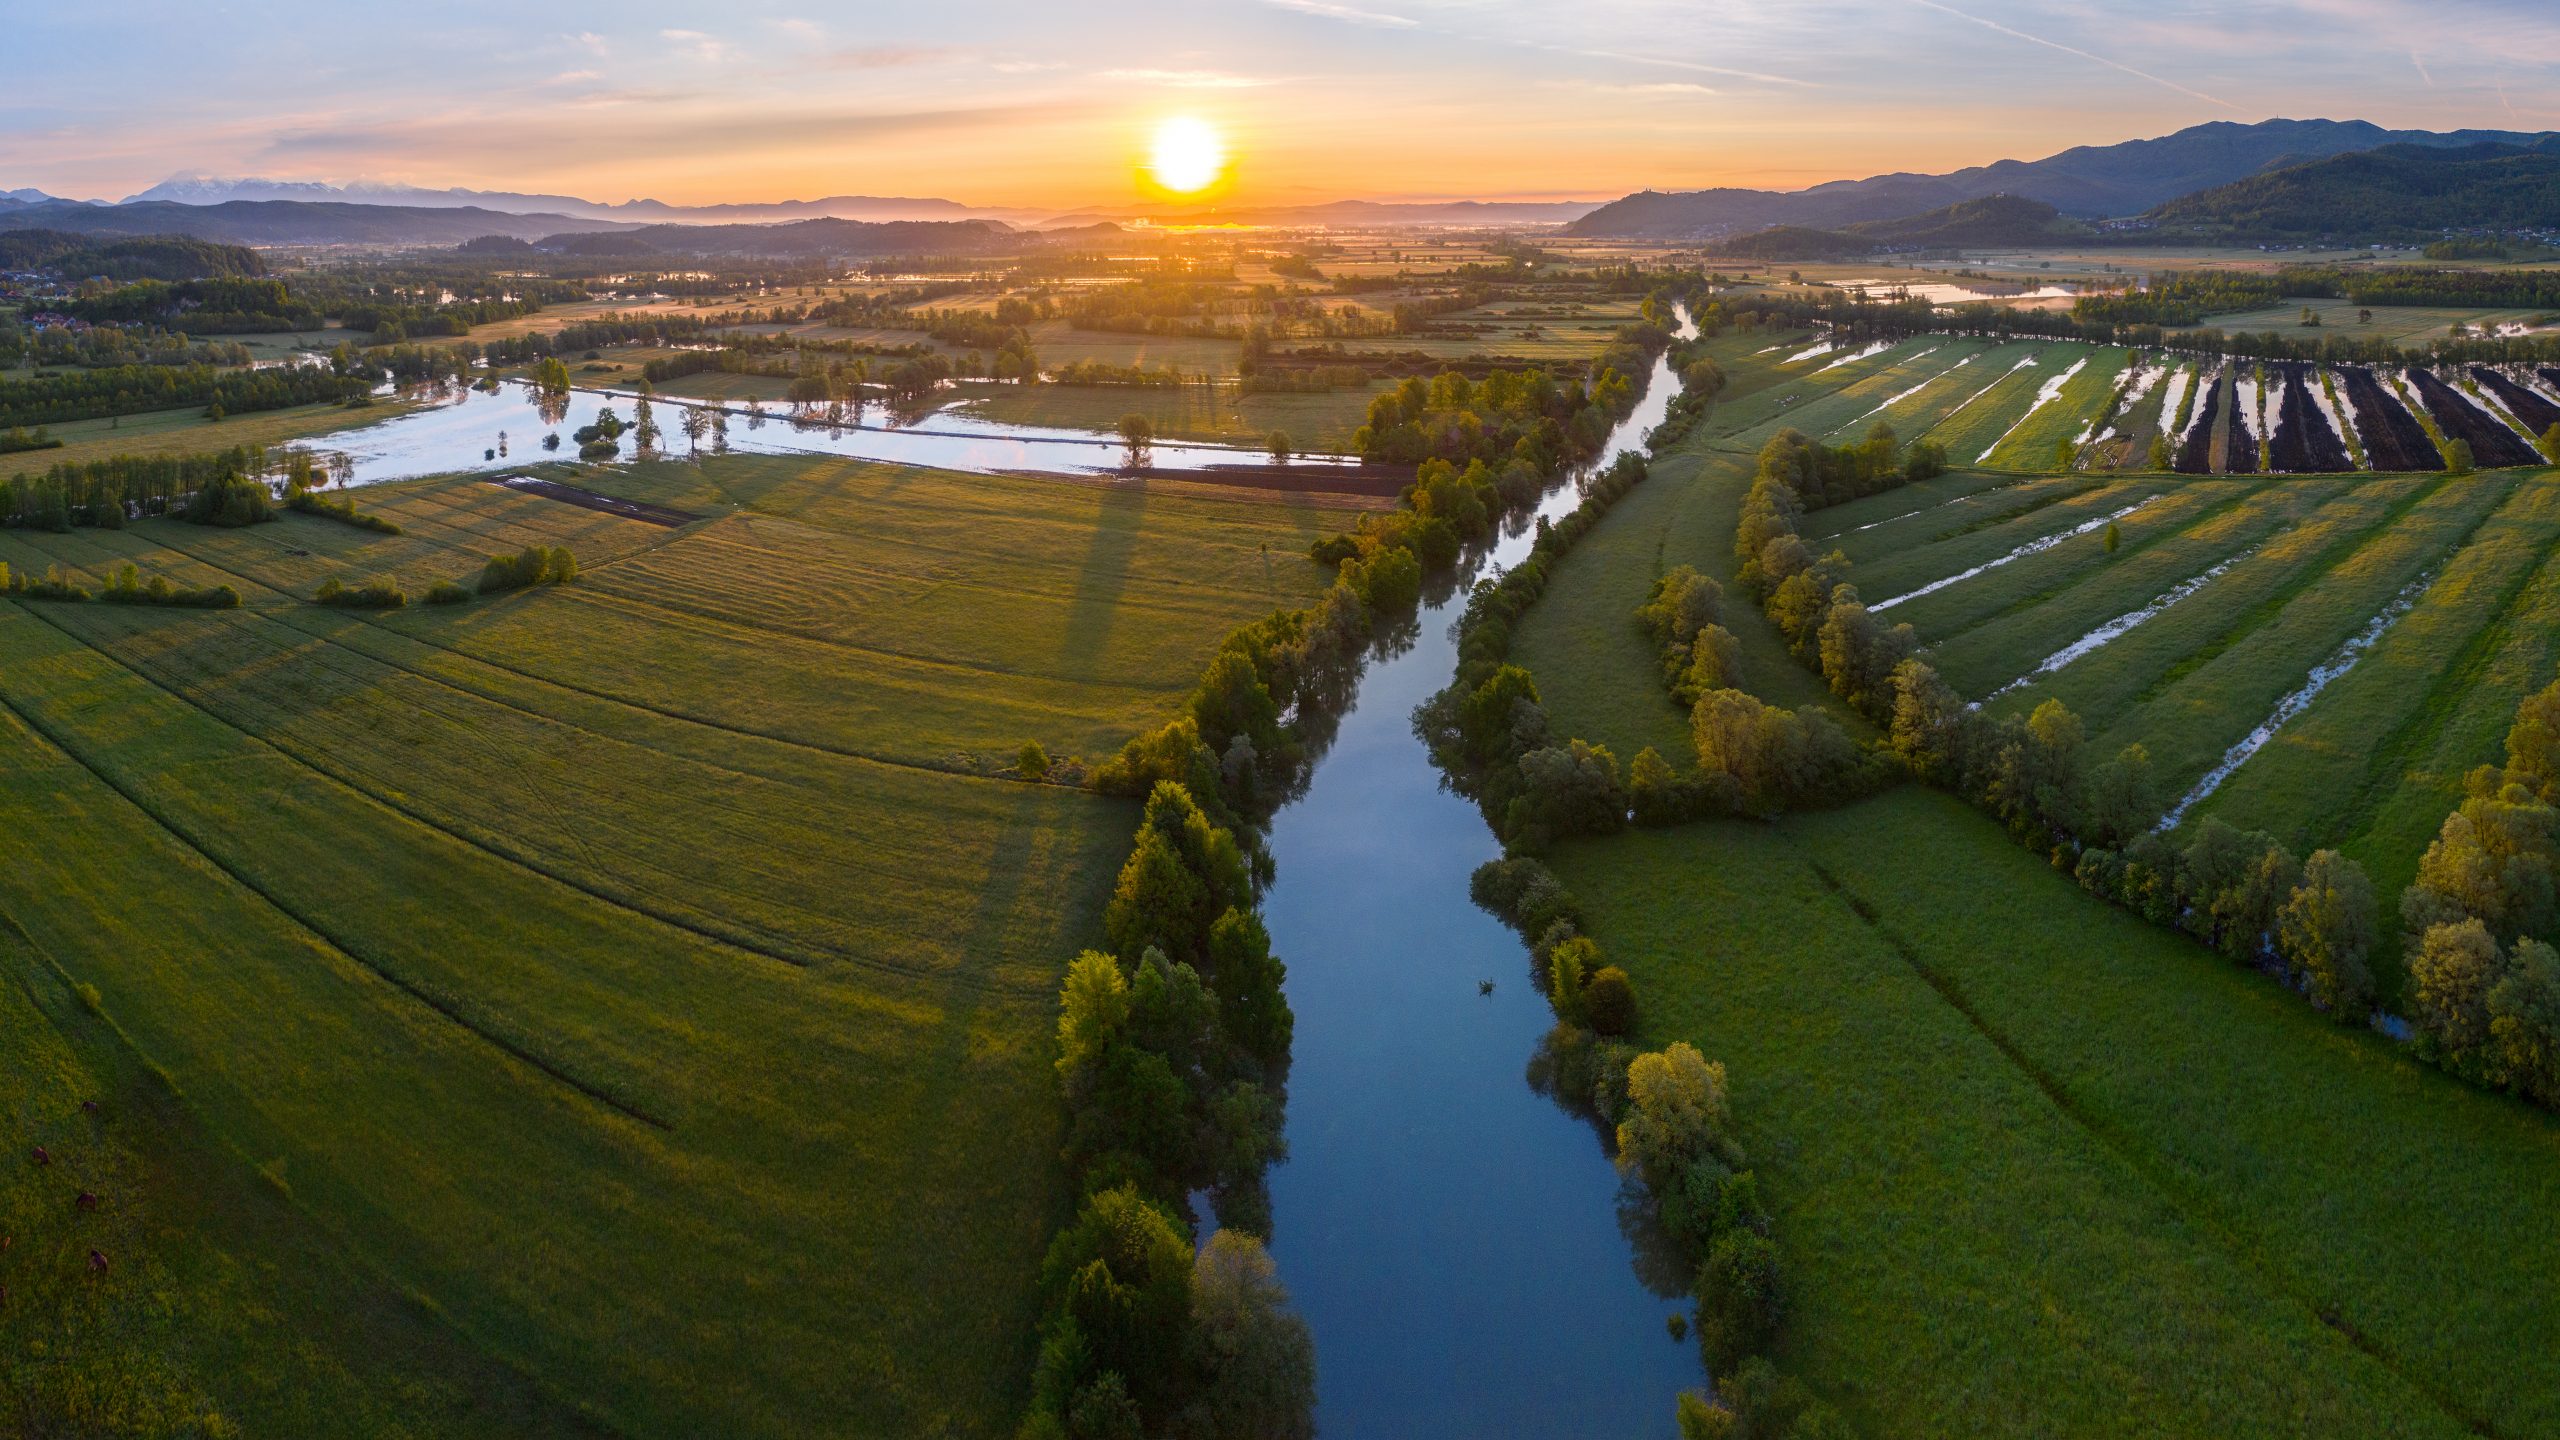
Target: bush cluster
x=297, y=497
x=533, y=565
x=372, y=595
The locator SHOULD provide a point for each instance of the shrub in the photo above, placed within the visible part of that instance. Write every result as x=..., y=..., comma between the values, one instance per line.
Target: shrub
x=1739, y=1303
x=533, y=565
x=1609, y=1001
x=373, y=595
x=447, y=592
x=308, y=503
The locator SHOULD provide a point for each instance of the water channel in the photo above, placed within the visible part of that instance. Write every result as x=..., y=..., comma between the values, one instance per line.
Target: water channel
x=1450, y=1234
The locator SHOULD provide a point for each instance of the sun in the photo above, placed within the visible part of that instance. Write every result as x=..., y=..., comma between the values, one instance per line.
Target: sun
x=1189, y=155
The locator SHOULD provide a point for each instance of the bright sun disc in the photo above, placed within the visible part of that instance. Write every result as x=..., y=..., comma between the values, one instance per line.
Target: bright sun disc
x=1188, y=154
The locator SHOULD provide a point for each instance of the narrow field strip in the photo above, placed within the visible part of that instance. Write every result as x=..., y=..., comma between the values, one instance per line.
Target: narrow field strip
x=2140, y=668
x=2032, y=547
x=2117, y=628
x=2300, y=699
x=2172, y=513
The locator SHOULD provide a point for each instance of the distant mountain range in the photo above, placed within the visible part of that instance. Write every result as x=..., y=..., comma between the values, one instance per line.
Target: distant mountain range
x=2397, y=192
x=2004, y=221
x=2089, y=180
x=205, y=190
x=289, y=222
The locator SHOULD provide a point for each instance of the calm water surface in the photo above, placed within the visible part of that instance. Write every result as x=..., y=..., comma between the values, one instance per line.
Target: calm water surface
x=1449, y=1233
x=458, y=436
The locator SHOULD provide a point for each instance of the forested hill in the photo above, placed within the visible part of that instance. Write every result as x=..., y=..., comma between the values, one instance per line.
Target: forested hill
x=146, y=257
x=2088, y=180
x=2399, y=192
x=290, y=222
x=2004, y=220
x=1991, y=220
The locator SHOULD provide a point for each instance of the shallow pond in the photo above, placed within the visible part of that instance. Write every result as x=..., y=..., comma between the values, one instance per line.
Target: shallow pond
x=504, y=431
x=1448, y=1232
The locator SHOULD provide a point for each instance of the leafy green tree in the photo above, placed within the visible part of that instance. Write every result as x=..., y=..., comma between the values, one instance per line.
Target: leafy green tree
x=1138, y=439
x=1256, y=1356
x=2326, y=932
x=1676, y=1112
x=1740, y=1304
x=2450, y=976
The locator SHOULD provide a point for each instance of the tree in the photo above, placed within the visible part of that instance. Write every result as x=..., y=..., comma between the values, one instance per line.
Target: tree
x=1033, y=762
x=1277, y=442
x=2457, y=456
x=1138, y=435
x=1119, y=1280
x=697, y=423
x=1609, y=1001
x=1739, y=1302
x=1255, y=1354
x=1093, y=1008
x=2115, y=537
x=1676, y=1112
x=2524, y=1023
x=2326, y=931
x=2450, y=975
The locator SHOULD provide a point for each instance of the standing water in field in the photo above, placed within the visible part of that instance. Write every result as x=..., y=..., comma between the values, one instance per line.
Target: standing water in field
x=2300, y=700
x=504, y=431
x=2033, y=547
x=1450, y=1234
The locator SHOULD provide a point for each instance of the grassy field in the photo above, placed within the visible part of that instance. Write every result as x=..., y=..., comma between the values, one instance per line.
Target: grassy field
x=2406, y=325
x=649, y=976
x=2040, y=1169
x=181, y=432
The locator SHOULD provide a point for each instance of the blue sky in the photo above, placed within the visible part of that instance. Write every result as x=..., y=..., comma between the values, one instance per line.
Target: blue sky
x=1003, y=102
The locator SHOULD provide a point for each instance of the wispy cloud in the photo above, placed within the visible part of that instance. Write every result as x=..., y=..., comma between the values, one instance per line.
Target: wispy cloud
x=1350, y=13
x=2422, y=69
x=1190, y=79
x=701, y=46
x=889, y=57
x=573, y=77
x=2014, y=34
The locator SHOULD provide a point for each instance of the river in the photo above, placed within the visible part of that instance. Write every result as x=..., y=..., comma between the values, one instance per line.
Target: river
x=1449, y=1233
x=504, y=431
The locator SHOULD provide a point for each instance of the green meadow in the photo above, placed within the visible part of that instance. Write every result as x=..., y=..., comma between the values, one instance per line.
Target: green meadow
x=2038, y=1167
x=640, y=989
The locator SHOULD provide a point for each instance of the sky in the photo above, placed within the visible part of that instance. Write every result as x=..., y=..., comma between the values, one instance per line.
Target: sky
x=1018, y=103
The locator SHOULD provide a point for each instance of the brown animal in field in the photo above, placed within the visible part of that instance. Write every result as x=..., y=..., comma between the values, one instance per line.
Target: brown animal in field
x=42, y=1156
x=87, y=1201
x=91, y=1106
x=98, y=1262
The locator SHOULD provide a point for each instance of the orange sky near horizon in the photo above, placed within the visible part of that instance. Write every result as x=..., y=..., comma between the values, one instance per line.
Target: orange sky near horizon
x=1010, y=103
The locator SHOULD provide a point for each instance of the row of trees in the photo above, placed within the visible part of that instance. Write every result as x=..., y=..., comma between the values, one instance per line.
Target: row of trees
x=125, y=587
x=2484, y=978
x=1174, y=1041
x=131, y=389
x=105, y=493
x=2484, y=982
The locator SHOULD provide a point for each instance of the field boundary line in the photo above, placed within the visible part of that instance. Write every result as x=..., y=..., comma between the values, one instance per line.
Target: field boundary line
x=2211, y=513
x=521, y=1053
x=2386, y=766
x=504, y=849
x=2310, y=573
x=2156, y=1174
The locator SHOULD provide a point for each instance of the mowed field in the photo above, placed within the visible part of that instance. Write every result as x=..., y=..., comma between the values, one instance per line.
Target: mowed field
x=2039, y=1168
x=641, y=987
